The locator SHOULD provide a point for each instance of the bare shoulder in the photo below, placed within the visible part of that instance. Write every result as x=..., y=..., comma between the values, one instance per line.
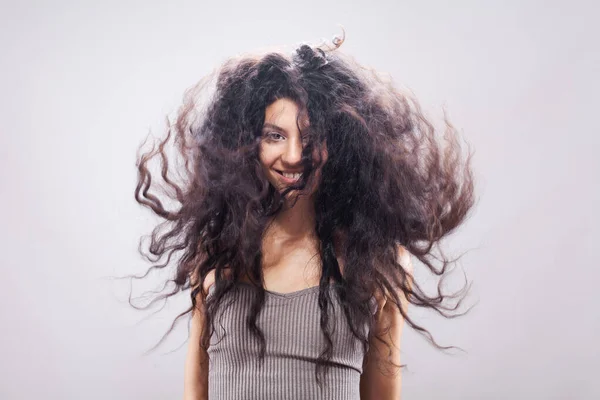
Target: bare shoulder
x=403, y=258
x=208, y=281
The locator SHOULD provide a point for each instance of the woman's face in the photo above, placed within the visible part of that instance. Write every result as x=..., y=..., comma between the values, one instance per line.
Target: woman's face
x=281, y=146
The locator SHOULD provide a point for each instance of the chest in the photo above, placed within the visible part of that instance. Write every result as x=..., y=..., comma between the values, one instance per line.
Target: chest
x=291, y=327
x=289, y=266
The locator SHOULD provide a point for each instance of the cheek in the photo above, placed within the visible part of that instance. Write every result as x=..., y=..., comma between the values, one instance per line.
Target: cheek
x=263, y=157
x=266, y=159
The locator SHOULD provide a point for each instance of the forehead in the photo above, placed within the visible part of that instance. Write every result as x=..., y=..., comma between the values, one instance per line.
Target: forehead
x=286, y=114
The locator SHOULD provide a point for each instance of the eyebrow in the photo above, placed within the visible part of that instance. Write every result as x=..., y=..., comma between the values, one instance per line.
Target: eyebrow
x=273, y=126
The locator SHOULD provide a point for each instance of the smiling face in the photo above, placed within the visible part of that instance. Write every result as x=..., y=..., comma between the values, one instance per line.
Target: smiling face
x=281, y=146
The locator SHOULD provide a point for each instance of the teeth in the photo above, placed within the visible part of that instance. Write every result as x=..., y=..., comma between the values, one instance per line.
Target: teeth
x=292, y=176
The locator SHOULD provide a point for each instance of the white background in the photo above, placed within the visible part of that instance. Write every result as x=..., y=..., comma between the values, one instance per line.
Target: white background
x=82, y=83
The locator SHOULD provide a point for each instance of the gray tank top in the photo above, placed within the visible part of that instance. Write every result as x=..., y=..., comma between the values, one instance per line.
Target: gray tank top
x=294, y=340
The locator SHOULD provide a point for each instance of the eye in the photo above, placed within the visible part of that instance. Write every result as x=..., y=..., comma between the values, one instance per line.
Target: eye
x=273, y=136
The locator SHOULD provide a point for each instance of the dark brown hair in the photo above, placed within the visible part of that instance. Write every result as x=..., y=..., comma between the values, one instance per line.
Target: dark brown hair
x=390, y=179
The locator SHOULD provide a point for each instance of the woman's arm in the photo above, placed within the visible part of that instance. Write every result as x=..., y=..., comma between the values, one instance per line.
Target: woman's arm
x=196, y=362
x=381, y=380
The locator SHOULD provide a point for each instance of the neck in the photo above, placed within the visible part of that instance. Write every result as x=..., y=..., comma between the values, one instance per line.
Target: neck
x=298, y=221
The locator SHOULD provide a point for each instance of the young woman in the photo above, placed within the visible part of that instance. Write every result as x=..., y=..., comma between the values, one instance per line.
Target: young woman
x=305, y=185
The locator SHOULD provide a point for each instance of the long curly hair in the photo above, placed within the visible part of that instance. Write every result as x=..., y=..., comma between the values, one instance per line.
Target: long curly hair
x=390, y=179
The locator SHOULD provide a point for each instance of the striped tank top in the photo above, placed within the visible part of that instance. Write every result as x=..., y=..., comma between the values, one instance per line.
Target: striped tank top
x=294, y=340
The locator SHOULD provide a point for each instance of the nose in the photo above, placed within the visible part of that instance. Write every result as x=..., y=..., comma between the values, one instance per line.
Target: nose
x=292, y=156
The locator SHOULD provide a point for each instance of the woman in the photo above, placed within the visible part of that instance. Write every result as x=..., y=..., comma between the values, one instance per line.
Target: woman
x=306, y=183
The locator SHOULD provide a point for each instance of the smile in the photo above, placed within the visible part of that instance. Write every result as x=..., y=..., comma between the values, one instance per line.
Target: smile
x=289, y=177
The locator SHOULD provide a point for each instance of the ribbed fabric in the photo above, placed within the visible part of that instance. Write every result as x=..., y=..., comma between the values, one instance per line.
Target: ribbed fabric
x=294, y=340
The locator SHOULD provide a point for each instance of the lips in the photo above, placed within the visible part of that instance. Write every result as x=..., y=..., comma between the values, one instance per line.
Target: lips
x=286, y=179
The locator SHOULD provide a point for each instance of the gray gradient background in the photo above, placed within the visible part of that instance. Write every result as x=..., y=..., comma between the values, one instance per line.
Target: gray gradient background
x=82, y=83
